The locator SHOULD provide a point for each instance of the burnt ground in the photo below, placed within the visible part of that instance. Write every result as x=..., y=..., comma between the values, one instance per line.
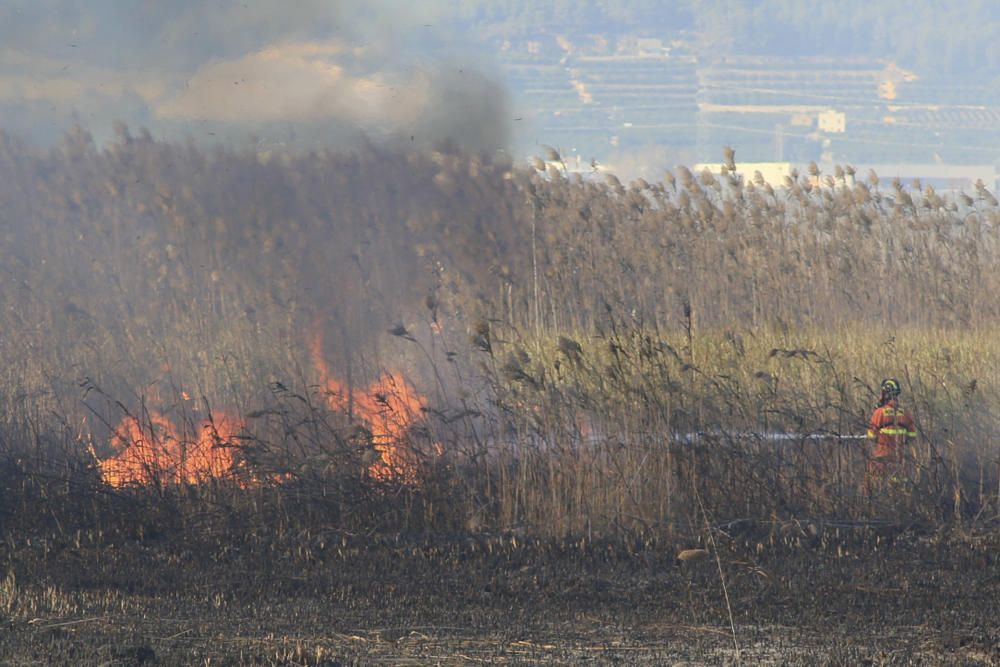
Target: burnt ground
x=799, y=594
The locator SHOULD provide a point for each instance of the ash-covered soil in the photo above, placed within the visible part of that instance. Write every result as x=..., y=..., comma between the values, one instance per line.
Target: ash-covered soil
x=798, y=594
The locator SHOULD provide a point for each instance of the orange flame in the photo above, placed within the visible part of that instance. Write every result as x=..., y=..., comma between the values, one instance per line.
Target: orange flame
x=154, y=451
x=388, y=408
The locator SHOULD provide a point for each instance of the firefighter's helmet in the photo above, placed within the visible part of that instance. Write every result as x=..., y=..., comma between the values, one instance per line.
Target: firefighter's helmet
x=890, y=388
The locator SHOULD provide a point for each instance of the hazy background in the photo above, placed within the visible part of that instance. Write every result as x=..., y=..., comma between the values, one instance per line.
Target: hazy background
x=305, y=73
x=517, y=75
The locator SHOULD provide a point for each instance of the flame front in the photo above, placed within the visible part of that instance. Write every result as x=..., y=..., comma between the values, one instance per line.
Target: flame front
x=388, y=408
x=154, y=451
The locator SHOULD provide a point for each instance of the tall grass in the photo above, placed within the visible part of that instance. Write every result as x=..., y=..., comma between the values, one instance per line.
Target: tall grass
x=598, y=358
x=632, y=436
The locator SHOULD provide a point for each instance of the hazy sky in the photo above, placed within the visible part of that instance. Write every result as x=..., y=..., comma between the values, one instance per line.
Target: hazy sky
x=283, y=71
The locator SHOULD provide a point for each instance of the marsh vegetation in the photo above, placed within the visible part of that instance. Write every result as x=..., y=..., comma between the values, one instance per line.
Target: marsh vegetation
x=443, y=356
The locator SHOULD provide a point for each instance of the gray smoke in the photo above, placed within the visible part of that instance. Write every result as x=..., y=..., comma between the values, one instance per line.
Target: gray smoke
x=284, y=73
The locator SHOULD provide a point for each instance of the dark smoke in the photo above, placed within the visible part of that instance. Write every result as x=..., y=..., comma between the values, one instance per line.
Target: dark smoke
x=300, y=75
x=470, y=108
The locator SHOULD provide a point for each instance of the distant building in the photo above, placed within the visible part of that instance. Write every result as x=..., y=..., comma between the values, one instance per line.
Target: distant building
x=832, y=121
x=890, y=78
x=773, y=173
x=942, y=177
x=652, y=47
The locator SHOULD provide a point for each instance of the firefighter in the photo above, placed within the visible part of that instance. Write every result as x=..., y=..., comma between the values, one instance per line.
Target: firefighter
x=891, y=428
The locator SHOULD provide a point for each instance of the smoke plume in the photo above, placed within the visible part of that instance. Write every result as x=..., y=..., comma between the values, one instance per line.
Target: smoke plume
x=284, y=73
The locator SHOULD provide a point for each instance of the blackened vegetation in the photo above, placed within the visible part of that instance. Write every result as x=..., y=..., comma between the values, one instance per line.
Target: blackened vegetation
x=800, y=594
x=604, y=366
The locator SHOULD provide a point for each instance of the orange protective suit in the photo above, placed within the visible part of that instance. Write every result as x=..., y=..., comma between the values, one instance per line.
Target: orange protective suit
x=891, y=428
